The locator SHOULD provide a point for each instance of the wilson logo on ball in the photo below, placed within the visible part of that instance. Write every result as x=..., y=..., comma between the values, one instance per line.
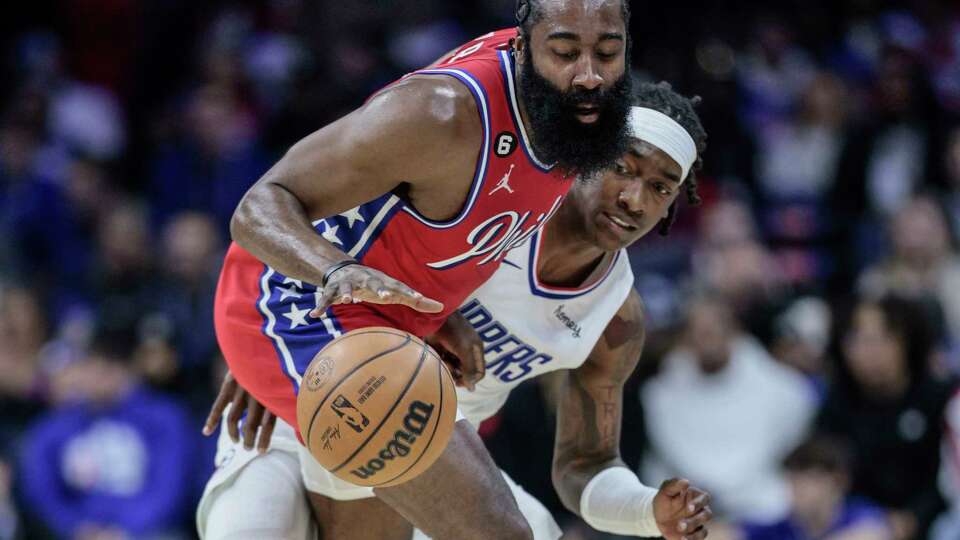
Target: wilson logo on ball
x=415, y=421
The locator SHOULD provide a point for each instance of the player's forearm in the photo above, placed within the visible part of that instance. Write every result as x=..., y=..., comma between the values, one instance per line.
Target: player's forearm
x=588, y=432
x=272, y=224
x=571, y=476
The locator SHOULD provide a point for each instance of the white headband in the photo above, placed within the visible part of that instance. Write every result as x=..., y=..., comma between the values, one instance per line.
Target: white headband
x=666, y=134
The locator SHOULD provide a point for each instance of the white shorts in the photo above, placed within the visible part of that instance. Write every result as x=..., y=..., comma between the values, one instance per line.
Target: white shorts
x=231, y=486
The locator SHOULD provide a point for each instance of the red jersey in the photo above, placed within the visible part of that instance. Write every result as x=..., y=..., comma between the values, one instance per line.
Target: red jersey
x=262, y=315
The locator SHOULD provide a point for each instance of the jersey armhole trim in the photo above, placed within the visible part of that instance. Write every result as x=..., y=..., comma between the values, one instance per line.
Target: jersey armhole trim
x=506, y=69
x=480, y=96
x=562, y=293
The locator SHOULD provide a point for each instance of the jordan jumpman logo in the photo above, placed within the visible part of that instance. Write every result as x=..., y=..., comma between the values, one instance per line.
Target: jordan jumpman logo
x=504, y=182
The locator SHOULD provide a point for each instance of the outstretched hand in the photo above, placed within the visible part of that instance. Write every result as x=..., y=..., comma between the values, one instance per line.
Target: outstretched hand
x=258, y=419
x=682, y=512
x=357, y=283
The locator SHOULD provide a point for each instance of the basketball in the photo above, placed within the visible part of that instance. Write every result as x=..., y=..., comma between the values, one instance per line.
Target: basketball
x=376, y=407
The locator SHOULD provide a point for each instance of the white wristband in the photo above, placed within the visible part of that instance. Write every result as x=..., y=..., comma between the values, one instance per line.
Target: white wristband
x=615, y=501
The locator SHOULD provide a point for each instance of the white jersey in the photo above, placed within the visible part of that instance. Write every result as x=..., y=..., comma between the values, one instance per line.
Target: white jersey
x=529, y=328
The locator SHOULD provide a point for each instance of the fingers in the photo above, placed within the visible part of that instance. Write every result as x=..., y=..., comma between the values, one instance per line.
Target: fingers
x=340, y=292
x=363, y=284
x=391, y=291
x=699, y=500
x=266, y=431
x=699, y=534
x=675, y=487
x=699, y=514
x=472, y=366
x=251, y=423
x=427, y=305
x=699, y=520
x=237, y=406
x=324, y=300
x=227, y=388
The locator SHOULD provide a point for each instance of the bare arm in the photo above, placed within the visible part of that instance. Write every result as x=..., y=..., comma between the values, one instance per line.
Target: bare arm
x=424, y=131
x=591, y=403
x=587, y=453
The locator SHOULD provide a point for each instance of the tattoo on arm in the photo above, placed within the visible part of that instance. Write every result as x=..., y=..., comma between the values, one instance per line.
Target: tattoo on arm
x=590, y=411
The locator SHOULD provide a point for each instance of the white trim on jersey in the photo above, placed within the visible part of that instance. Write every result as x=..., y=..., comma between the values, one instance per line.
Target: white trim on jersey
x=508, y=63
x=481, y=97
x=291, y=368
x=374, y=223
x=550, y=291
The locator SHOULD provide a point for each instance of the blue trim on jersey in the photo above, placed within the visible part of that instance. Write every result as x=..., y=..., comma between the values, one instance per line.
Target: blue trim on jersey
x=542, y=292
x=354, y=230
x=507, y=69
x=483, y=104
x=270, y=319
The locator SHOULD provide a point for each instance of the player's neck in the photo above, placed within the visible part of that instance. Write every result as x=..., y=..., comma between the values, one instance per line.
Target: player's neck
x=566, y=257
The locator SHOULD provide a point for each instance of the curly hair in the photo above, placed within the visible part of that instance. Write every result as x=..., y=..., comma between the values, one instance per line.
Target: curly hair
x=662, y=98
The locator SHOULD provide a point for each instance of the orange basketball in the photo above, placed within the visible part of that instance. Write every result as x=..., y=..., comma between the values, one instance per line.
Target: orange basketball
x=376, y=407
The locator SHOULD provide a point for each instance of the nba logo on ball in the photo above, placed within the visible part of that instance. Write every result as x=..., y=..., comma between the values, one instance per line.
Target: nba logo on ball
x=377, y=407
x=353, y=417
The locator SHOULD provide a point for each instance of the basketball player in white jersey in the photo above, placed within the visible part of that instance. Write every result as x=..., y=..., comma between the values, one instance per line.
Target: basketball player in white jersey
x=563, y=301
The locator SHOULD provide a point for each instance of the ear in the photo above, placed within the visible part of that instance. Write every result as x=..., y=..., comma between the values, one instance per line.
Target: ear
x=520, y=48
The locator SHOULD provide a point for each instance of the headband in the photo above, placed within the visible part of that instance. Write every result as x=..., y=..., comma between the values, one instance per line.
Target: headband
x=666, y=134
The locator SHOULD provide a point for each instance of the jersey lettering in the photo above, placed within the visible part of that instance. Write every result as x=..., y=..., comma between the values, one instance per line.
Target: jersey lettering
x=508, y=357
x=486, y=238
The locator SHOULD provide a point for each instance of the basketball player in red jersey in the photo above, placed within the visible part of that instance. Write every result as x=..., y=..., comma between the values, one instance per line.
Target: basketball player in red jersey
x=423, y=190
x=575, y=268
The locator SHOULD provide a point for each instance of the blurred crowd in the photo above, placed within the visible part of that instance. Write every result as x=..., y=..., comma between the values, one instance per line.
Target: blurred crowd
x=804, y=323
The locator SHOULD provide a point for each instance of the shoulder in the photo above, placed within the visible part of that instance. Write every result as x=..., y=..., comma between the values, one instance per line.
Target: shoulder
x=629, y=322
x=618, y=350
x=426, y=109
x=442, y=102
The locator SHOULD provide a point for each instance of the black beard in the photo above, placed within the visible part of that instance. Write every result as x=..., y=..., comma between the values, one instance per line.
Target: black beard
x=559, y=137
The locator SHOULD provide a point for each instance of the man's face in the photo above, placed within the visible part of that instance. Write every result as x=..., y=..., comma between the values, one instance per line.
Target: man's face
x=629, y=200
x=816, y=492
x=573, y=83
x=710, y=335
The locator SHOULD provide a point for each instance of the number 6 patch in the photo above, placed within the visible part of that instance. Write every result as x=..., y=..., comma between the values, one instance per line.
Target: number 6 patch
x=506, y=144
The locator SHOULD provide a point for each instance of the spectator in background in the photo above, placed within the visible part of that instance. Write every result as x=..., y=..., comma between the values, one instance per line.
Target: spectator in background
x=894, y=153
x=821, y=508
x=192, y=250
x=772, y=74
x=947, y=526
x=112, y=457
x=21, y=189
x=210, y=165
x=952, y=163
x=10, y=528
x=923, y=263
x=23, y=331
x=122, y=284
x=726, y=413
x=730, y=259
x=801, y=337
x=887, y=404
x=796, y=171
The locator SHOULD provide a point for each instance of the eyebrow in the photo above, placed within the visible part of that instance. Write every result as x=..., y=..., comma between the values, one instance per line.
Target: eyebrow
x=667, y=174
x=670, y=176
x=575, y=37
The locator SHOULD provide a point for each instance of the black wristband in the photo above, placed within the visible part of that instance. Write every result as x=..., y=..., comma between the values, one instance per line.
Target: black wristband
x=334, y=268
